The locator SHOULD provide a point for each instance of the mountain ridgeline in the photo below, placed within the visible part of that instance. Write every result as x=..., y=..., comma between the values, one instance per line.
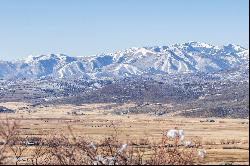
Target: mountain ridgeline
x=189, y=57
x=191, y=79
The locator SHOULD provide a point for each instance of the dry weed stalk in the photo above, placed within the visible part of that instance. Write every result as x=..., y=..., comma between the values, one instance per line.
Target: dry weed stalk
x=8, y=135
x=72, y=150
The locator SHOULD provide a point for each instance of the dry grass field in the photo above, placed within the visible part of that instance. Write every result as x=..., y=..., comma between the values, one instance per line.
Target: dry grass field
x=225, y=140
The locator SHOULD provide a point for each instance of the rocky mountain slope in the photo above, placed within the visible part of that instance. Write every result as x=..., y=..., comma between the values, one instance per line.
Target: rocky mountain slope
x=191, y=79
x=189, y=57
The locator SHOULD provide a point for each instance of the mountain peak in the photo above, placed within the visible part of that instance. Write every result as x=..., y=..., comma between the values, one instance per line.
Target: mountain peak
x=190, y=57
x=32, y=58
x=198, y=44
x=233, y=47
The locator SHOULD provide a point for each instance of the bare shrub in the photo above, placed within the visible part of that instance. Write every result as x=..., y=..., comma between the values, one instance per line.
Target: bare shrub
x=172, y=154
x=69, y=149
x=209, y=142
x=230, y=141
x=8, y=136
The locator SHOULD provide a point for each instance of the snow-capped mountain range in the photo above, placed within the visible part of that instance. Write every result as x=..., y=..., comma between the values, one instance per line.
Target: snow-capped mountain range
x=189, y=57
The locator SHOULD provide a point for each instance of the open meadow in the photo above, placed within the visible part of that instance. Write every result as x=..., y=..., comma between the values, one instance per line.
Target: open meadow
x=225, y=140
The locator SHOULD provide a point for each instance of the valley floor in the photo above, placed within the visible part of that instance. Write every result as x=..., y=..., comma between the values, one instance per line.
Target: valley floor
x=95, y=121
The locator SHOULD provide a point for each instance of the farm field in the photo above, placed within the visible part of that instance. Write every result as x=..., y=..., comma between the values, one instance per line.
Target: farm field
x=96, y=122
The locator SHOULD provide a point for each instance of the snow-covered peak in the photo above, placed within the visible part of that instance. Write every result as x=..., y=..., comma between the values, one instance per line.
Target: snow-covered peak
x=199, y=44
x=188, y=57
x=234, y=47
x=57, y=57
x=46, y=56
x=143, y=51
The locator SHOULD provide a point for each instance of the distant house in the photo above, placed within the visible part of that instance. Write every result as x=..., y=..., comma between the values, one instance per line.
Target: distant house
x=6, y=110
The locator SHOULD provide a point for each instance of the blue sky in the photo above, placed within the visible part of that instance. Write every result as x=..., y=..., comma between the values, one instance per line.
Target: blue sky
x=86, y=27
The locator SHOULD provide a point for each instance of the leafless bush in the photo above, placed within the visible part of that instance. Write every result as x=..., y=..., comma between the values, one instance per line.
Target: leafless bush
x=172, y=154
x=73, y=150
x=210, y=142
x=8, y=136
x=230, y=141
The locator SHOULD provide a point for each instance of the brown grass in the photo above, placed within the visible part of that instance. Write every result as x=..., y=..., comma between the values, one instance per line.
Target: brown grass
x=138, y=131
x=74, y=150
